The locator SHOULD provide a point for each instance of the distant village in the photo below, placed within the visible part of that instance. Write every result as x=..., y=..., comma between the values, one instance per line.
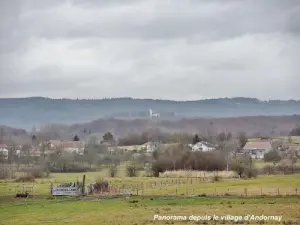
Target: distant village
x=256, y=148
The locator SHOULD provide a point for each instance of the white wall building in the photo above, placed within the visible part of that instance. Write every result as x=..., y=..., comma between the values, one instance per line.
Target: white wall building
x=203, y=147
x=3, y=151
x=257, y=149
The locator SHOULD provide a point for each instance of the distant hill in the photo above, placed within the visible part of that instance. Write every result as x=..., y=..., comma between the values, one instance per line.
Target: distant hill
x=4, y=130
x=28, y=112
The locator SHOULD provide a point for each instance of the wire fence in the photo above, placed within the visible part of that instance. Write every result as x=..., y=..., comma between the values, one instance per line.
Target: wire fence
x=139, y=190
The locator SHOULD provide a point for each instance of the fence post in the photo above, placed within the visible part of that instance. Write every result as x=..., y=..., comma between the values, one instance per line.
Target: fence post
x=51, y=188
x=246, y=192
x=296, y=191
x=277, y=191
x=83, y=185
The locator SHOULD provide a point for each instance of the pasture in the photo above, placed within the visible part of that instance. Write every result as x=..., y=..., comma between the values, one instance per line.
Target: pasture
x=262, y=185
x=295, y=139
x=277, y=195
x=141, y=210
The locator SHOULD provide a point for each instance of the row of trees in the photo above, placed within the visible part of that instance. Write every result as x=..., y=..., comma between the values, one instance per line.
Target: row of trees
x=181, y=158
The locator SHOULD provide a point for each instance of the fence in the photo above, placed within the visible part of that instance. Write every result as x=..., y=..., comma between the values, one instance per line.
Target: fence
x=188, y=191
x=165, y=190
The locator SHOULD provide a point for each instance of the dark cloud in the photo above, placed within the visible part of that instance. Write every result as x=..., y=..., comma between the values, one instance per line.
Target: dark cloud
x=150, y=48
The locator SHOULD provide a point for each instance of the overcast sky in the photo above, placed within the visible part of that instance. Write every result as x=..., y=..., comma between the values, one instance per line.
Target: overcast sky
x=169, y=49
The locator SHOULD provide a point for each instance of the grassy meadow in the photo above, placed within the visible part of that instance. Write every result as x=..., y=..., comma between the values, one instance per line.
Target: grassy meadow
x=295, y=139
x=262, y=185
x=178, y=194
x=141, y=210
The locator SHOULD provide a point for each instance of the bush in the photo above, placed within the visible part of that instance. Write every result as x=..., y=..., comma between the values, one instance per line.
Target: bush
x=131, y=170
x=268, y=170
x=251, y=172
x=180, y=158
x=6, y=173
x=113, y=171
x=36, y=172
x=25, y=178
x=101, y=186
x=216, y=178
x=272, y=156
x=71, y=168
x=243, y=167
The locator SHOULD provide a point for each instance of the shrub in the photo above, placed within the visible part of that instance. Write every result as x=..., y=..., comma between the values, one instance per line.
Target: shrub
x=244, y=168
x=272, y=156
x=216, y=178
x=25, y=178
x=6, y=173
x=71, y=168
x=101, y=186
x=268, y=170
x=131, y=170
x=181, y=158
x=36, y=172
x=147, y=172
x=251, y=172
x=113, y=171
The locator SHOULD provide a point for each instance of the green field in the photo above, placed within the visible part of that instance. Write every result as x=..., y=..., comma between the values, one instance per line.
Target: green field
x=262, y=185
x=266, y=195
x=141, y=210
x=42, y=209
x=295, y=139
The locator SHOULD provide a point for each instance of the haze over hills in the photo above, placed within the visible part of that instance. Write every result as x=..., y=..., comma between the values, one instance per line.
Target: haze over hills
x=35, y=111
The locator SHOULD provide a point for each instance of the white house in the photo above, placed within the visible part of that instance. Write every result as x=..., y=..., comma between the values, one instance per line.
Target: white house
x=68, y=146
x=257, y=149
x=3, y=151
x=150, y=146
x=202, y=146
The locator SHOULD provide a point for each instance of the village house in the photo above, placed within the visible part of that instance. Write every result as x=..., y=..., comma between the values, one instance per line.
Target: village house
x=35, y=152
x=202, y=146
x=150, y=146
x=3, y=151
x=68, y=146
x=257, y=149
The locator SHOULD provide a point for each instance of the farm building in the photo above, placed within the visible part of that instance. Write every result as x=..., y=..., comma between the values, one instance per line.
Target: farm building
x=148, y=147
x=3, y=151
x=68, y=146
x=202, y=146
x=257, y=149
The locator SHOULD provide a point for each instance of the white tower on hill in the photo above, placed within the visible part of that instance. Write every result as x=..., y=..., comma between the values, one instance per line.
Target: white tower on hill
x=151, y=114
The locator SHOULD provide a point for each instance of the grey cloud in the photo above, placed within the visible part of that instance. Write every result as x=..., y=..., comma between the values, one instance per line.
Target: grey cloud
x=161, y=20
x=151, y=48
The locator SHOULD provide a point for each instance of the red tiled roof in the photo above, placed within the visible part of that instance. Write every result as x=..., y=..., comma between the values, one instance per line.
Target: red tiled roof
x=258, y=145
x=3, y=146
